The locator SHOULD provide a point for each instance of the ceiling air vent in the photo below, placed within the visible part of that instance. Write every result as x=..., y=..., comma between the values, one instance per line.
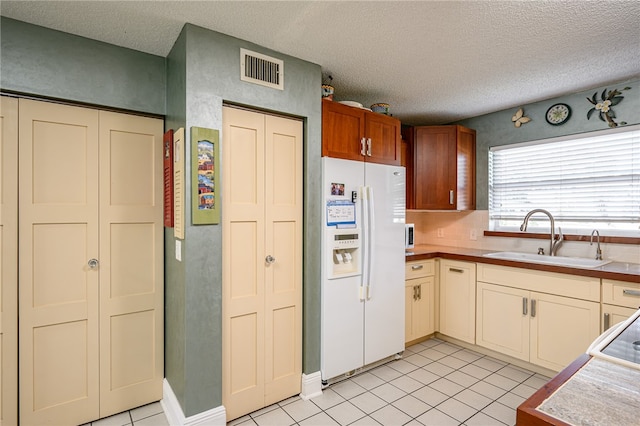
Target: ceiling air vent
x=261, y=69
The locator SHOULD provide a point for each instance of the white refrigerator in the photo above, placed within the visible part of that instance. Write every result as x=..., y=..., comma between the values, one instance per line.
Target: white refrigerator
x=362, y=278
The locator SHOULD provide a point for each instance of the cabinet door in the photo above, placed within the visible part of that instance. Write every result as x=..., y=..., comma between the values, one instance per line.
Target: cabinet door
x=465, y=194
x=423, y=309
x=409, y=299
x=612, y=315
x=435, y=167
x=458, y=300
x=561, y=329
x=383, y=139
x=342, y=131
x=503, y=320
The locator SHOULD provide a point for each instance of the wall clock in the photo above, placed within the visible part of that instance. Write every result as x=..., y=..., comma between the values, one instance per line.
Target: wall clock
x=558, y=114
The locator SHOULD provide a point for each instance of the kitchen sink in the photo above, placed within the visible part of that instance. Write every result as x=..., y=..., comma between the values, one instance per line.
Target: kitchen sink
x=572, y=262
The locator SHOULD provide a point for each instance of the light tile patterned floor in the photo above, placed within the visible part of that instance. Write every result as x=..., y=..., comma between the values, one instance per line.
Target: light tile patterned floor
x=147, y=415
x=436, y=383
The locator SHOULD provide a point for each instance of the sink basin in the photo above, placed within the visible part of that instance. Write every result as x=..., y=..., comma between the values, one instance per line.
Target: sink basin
x=572, y=262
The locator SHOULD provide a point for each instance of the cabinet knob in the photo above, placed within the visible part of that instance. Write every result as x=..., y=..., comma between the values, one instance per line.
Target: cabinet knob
x=269, y=259
x=93, y=263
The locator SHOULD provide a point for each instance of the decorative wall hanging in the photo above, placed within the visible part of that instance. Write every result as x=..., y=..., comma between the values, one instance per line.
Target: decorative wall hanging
x=205, y=176
x=603, y=106
x=519, y=118
x=558, y=114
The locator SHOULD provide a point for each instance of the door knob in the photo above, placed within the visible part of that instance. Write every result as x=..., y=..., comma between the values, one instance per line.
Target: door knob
x=93, y=263
x=269, y=259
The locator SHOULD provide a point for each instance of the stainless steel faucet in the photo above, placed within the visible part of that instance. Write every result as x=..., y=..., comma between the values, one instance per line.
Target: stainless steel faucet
x=554, y=244
x=598, y=251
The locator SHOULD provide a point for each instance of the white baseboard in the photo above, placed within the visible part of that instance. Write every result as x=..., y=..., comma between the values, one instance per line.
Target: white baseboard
x=311, y=385
x=214, y=417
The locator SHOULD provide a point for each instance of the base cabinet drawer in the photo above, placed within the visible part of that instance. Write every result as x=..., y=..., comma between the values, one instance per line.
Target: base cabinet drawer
x=621, y=293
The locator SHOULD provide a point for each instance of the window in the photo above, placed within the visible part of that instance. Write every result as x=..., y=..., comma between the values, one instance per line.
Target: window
x=589, y=181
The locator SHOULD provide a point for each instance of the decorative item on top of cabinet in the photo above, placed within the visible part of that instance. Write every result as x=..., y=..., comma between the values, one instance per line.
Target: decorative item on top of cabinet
x=419, y=300
x=444, y=159
x=357, y=134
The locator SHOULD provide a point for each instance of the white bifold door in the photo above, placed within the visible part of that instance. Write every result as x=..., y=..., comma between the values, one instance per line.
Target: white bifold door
x=90, y=263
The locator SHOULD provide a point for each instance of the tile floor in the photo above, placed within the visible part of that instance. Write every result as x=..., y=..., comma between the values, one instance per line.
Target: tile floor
x=436, y=383
x=147, y=415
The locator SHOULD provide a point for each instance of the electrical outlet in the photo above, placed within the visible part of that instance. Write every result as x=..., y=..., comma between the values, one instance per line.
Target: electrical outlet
x=440, y=232
x=473, y=234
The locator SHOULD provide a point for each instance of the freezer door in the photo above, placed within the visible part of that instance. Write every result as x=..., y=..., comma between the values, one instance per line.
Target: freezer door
x=342, y=328
x=342, y=312
x=384, y=305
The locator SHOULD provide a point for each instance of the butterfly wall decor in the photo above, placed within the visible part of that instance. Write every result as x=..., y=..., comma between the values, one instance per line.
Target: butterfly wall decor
x=519, y=118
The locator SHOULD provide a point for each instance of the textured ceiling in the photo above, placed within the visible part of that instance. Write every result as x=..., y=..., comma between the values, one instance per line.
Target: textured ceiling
x=433, y=62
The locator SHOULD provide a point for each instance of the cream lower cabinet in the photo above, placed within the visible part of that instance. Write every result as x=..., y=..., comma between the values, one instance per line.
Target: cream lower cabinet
x=619, y=301
x=419, y=299
x=549, y=330
x=458, y=299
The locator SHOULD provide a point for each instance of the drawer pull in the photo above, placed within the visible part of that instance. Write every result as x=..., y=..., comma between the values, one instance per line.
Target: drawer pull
x=456, y=270
x=416, y=267
x=631, y=292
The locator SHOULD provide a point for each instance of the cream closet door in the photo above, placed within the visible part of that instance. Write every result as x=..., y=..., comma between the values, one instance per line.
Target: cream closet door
x=262, y=259
x=8, y=261
x=58, y=234
x=131, y=262
x=89, y=262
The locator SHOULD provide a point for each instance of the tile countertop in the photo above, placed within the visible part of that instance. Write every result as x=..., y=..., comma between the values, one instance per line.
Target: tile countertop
x=619, y=271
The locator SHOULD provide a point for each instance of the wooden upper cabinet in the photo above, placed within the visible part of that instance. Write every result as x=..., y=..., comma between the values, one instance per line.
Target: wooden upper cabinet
x=357, y=134
x=444, y=175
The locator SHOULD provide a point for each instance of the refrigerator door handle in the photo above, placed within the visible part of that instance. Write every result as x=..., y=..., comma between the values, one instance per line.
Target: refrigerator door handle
x=371, y=231
x=364, y=201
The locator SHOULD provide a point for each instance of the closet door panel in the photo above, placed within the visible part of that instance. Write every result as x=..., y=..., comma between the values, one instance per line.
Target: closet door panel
x=283, y=277
x=131, y=262
x=58, y=235
x=8, y=261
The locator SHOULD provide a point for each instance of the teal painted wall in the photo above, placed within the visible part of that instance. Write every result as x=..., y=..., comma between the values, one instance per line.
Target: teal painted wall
x=203, y=71
x=175, y=328
x=38, y=61
x=497, y=129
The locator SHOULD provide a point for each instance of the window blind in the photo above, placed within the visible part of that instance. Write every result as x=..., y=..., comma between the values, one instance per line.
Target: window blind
x=586, y=182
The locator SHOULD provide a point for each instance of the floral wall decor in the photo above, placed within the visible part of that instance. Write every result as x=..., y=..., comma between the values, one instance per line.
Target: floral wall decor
x=519, y=118
x=603, y=106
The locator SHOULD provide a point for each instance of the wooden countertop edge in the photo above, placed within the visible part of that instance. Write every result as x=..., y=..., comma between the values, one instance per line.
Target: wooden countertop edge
x=593, y=273
x=528, y=415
